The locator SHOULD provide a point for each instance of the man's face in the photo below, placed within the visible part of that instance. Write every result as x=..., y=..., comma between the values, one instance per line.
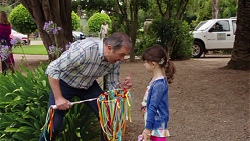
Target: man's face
x=118, y=55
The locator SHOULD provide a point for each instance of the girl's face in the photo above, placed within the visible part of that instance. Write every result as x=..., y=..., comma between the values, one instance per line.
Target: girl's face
x=149, y=66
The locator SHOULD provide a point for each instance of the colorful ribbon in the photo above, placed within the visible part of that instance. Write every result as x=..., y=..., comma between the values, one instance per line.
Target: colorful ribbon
x=114, y=111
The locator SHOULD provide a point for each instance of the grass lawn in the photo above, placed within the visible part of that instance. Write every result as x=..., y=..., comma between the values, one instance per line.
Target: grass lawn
x=32, y=50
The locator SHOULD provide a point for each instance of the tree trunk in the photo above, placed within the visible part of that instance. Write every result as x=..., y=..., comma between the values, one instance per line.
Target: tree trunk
x=28, y=40
x=58, y=11
x=215, y=9
x=240, y=58
x=130, y=21
x=133, y=26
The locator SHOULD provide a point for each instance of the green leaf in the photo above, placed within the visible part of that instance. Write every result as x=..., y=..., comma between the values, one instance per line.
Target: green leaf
x=9, y=129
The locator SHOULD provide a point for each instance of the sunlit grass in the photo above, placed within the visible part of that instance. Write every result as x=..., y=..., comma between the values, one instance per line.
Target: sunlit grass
x=32, y=50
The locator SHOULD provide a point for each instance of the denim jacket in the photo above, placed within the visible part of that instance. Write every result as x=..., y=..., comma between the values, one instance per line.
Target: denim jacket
x=157, y=105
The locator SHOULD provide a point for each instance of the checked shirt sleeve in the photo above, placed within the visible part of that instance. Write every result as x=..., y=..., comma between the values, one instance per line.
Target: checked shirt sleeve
x=112, y=79
x=67, y=62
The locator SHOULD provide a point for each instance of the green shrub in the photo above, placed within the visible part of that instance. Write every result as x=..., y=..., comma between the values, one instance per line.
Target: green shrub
x=75, y=21
x=116, y=24
x=95, y=21
x=23, y=101
x=87, y=32
x=145, y=41
x=164, y=30
x=174, y=36
x=183, y=47
x=21, y=20
x=23, y=108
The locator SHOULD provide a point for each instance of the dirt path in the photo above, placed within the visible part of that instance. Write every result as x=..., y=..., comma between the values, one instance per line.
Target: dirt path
x=207, y=102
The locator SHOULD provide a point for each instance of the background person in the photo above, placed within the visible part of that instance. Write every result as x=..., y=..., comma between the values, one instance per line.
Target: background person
x=5, y=31
x=104, y=30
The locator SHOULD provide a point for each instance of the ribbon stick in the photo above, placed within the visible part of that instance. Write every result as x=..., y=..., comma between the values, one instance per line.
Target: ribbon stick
x=77, y=102
x=114, y=110
x=48, y=126
x=114, y=113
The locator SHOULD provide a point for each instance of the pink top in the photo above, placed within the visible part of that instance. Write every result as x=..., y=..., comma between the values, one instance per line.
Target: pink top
x=5, y=31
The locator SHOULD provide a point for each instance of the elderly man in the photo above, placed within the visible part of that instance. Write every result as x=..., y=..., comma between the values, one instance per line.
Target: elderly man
x=75, y=72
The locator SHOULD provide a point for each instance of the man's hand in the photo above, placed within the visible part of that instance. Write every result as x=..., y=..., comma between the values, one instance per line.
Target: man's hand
x=127, y=84
x=62, y=103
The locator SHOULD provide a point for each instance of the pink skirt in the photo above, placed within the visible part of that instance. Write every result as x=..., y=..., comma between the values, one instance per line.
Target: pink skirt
x=154, y=138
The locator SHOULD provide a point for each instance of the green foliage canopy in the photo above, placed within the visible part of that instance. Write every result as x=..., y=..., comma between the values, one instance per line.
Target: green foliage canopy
x=21, y=20
x=75, y=20
x=98, y=5
x=95, y=22
x=5, y=9
x=202, y=10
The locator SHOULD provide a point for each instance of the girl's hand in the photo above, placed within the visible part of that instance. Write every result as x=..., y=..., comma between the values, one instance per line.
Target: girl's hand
x=146, y=134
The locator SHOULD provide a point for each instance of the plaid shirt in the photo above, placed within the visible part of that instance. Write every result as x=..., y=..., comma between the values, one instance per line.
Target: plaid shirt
x=82, y=64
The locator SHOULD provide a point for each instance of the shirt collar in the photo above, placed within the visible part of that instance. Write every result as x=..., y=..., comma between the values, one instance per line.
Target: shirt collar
x=160, y=77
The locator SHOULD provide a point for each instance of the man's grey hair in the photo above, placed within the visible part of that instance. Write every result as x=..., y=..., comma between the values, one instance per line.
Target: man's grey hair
x=117, y=40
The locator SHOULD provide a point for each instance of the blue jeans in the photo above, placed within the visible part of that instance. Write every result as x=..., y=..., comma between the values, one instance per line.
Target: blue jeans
x=68, y=93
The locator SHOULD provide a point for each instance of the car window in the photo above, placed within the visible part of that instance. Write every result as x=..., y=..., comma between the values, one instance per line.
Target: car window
x=221, y=26
x=234, y=26
x=199, y=25
x=13, y=31
x=205, y=25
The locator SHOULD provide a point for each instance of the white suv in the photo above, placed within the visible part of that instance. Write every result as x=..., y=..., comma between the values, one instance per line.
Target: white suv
x=215, y=34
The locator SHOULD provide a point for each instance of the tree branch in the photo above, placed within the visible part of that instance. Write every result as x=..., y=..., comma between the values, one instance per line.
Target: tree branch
x=180, y=15
x=120, y=8
x=160, y=7
x=179, y=7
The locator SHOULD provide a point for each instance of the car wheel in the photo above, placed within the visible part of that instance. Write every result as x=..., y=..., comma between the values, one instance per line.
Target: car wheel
x=25, y=42
x=198, y=49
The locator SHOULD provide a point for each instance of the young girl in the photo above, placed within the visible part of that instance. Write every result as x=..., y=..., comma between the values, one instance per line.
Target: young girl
x=156, y=97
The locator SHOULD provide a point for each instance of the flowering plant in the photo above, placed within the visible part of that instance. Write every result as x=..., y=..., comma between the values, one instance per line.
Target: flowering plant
x=52, y=28
x=5, y=50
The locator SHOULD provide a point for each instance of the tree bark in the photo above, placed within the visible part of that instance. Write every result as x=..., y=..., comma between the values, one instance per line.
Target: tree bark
x=215, y=9
x=58, y=11
x=240, y=58
x=134, y=8
x=129, y=13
